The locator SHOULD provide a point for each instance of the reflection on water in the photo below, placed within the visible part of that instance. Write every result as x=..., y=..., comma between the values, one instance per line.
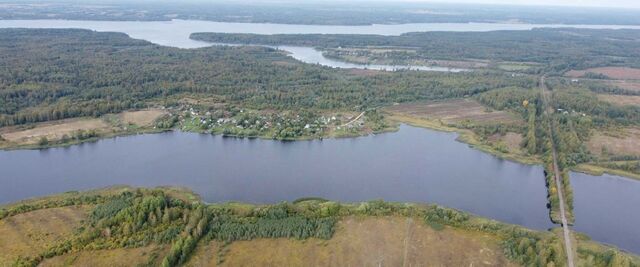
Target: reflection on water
x=412, y=165
x=606, y=207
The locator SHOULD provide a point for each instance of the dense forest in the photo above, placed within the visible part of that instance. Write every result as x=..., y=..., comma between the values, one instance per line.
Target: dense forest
x=558, y=48
x=86, y=73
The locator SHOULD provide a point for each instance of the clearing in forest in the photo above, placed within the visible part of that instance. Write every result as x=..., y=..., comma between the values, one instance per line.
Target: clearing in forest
x=622, y=100
x=620, y=73
x=616, y=142
x=142, y=117
x=511, y=141
x=30, y=233
x=398, y=241
x=142, y=256
x=53, y=130
x=455, y=111
x=626, y=85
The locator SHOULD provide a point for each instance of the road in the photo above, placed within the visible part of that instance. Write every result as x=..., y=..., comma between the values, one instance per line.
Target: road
x=565, y=226
x=354, y=119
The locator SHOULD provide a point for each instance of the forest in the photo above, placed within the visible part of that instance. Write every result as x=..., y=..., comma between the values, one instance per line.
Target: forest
x=86, y=73
x=559, y=49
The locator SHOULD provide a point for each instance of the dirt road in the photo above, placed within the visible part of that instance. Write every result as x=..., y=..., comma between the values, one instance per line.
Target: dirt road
x=556, y=171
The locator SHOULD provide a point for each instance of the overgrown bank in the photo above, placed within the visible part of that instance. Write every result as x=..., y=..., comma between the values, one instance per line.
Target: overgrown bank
x=131, y=218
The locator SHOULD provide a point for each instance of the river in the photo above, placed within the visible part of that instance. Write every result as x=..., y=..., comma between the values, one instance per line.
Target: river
x=176, y=33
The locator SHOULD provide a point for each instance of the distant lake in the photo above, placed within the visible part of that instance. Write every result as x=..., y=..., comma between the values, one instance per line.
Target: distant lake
x=176, y=33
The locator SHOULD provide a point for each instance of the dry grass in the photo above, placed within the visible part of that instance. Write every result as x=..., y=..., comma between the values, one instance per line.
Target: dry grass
x=205, y=254
x=511, y=140
x=109, y=258
x=627, y=85
x=454, y=111
x=620, y=73
x=30, y=233
x=52, y=130
x=370, y=241
x=351, y=54
x=142, y=117
x=623, y=100
x=617, y=142
x=366, y=73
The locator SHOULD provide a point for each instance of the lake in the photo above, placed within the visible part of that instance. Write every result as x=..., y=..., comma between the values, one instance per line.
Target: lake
x=176, y=33
x=606, y=207
x=413, y=165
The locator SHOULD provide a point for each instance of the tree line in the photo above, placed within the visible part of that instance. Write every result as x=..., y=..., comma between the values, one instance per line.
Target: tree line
x=50, y=74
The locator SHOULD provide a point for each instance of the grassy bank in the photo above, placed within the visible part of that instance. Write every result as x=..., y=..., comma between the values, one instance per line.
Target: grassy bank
x=600, y=170
x=465, y=136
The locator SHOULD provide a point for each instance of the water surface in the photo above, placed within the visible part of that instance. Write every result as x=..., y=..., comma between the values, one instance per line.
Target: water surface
x=606, y=207
x=412, y=165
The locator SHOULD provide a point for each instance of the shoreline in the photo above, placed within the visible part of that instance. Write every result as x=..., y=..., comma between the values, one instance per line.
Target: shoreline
x=434, y=216
x=464, y=136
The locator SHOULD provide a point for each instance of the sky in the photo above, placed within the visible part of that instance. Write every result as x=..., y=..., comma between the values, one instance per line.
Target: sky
x=635, y=4
x=582, y=3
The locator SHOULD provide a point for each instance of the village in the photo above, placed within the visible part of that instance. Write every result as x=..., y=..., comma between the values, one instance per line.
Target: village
x=272, y=124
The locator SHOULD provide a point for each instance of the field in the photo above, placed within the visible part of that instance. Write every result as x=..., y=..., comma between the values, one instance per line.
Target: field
x=620, y=73
x=143, y=117
x=617, y=142
x=515, y=66
x=398, y=241
x=511, y=141
x=398, y=56
x=108, y=258
x=455, y=111
x=53, y=130
x=623, y=100
x=627, y=85
x=29, y=233
x=65, y=131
